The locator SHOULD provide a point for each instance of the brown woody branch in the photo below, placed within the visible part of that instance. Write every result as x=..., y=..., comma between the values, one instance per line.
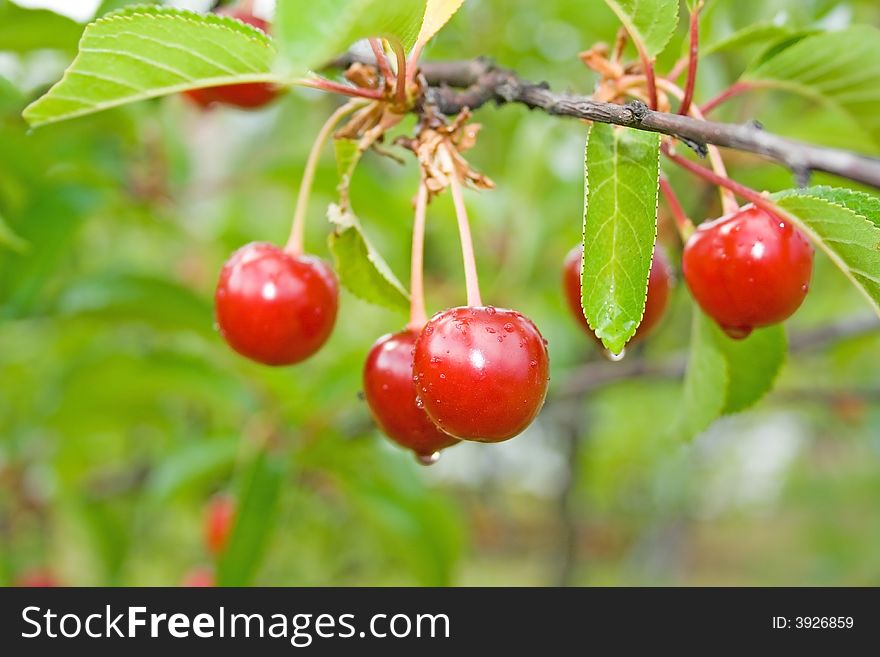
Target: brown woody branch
x=455, y=85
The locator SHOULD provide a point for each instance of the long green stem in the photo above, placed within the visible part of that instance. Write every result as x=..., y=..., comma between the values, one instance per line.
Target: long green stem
x=297, y=229
x=472, y=283
x=418, y=317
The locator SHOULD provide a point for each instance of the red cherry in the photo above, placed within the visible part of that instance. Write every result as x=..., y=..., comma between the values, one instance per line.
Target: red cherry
x=39, y=578
x=391, y=396
x=199, y=578
x=659, y=283
x=249, y=95
x=748, y=269
x=481, y=373
x=274, y=307
x=219, y=517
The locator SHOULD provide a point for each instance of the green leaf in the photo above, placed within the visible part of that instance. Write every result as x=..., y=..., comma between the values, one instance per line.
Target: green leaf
x=841, y=69
x=22, y=30
x=191, y=465
x=752, y=364
x=254, y=521
x=437, y=14
x=850, y=239
x=751, y=35
x=347, y=157
x=145, y=52
x=705, y=382
x=622, y=171
x=862, y=203
x=10, y=240
x=311, y=33
x=651, y=22
x=125, y=296
x=727, y=376
x=361, y=269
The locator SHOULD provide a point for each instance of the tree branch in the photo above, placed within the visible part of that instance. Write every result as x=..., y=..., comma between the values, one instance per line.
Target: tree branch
x=598, y=374
x=453, y=86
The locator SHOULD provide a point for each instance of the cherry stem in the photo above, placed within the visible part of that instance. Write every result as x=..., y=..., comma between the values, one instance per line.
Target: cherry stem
x=413, y=64
x=728, y=202
x=297, y=230
x=400, y=94
x=693, y=57
x=650, y=78
x=417, y=315
x=472, y=284
x=721, y=181
x=733, y=90
x=381, y=60
x=344, y=89
x=685, y=226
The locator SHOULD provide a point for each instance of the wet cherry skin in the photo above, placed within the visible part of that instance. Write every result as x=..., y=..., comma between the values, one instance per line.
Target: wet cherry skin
x=219, y=517
x=659, y=284
x=274, y=307
x=249, y=95
x=748, y=270
x=481, y=373
x=391, y=396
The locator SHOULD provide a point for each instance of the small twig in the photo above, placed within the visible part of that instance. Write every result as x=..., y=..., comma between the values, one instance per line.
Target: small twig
x=730, y=92
x=297, y=228
x=381, y=60
x=599, y=374
x=685, y=226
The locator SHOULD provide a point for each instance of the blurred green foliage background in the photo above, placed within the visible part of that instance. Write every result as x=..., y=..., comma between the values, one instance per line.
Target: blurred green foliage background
x=122, y=411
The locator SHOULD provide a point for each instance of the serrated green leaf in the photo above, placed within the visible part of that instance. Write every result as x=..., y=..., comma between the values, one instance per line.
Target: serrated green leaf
x=851, y=240
x=838, y=68
x=726, y=376
x=622, y=172
x=751, y=35
x=144, y=52
x=9, y=240
x=361, y=269
x=752, y=364
x=652, y=22
x=311, y=33
x=254, y=521
x=862, y=203
x=22, y=30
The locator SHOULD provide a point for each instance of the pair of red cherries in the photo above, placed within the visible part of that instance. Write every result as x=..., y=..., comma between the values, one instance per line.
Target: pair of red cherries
x=471, y=373
x=746, y=270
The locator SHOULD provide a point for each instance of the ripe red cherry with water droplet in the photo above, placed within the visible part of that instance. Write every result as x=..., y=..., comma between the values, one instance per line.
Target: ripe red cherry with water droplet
x=391, y=396
x=249, y=95
x=659, y=284
x=481, y=373
x=748, y=270
x=275, y=307
x=219, y=518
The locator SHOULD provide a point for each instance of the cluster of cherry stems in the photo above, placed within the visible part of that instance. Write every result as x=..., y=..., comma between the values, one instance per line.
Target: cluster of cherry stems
x=476, y=372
